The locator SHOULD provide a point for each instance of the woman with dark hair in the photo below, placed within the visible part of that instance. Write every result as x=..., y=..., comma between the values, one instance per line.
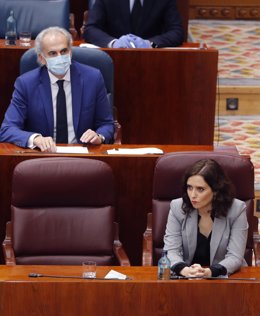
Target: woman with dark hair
x=206, y=231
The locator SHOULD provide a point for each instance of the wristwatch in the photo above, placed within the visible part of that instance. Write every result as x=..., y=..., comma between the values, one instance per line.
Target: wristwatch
x=102, y=138
x=153, y=45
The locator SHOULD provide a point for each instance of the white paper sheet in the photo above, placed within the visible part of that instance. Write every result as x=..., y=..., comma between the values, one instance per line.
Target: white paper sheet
x=112, y=274
x=88, y=45
x=135, y=151
x=71, y=150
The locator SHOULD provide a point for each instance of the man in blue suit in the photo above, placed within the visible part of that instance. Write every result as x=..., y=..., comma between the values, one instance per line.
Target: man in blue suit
x=112, y=23
x=31, y=118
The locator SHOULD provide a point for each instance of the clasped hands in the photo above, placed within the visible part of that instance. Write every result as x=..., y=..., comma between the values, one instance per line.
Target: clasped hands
x=131, y=41
x=47, y=144
x=196, y=270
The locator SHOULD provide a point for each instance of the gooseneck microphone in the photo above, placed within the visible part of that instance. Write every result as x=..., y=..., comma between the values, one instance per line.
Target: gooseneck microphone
x=39, y=275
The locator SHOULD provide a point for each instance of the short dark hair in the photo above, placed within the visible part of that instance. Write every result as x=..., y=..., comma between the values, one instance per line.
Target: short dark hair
x=214, y=175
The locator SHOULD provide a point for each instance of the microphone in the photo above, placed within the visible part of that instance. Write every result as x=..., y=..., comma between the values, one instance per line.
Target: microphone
x=39, y=275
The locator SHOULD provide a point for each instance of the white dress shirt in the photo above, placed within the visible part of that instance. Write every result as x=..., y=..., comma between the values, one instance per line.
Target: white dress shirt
x=131, y=2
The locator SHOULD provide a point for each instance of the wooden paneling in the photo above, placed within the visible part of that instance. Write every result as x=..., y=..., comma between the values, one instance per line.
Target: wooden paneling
x=248, y=100
x=166, y=96
x=221, y=9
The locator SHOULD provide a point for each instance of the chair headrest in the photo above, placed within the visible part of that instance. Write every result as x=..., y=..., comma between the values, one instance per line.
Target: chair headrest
x=170, y=168
x=62, y=181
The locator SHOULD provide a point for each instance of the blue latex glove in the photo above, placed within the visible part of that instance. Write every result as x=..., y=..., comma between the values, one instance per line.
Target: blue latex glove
x=138, y=42
x=122, y=42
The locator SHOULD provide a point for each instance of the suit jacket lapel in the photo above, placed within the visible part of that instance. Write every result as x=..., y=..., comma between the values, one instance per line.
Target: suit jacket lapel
x=45, y=98
x=219, y=226
x=125, y=12
x=192, y=232
x=76, y=94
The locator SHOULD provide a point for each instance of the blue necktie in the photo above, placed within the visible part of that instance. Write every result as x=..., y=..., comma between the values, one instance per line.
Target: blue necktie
x=136, y=15
x=61, y=116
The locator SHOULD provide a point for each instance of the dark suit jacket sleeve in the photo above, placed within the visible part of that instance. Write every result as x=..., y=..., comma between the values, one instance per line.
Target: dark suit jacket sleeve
x=97, y=29
x=172, y=33
x=110, y=19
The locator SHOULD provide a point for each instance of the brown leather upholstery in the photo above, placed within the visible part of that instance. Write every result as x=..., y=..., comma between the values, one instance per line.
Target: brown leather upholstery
x=62, y=212
x=168, y=174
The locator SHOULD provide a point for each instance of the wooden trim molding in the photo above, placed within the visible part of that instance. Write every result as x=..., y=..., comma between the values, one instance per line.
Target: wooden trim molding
x=217, y=9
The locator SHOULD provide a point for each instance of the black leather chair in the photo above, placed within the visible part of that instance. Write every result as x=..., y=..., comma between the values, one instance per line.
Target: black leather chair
x=62, y=213
x=168, y=174
x=91, y=57
x=34, y=16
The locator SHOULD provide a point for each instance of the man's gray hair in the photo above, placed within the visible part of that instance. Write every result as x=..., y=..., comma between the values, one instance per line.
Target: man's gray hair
x=51, y=30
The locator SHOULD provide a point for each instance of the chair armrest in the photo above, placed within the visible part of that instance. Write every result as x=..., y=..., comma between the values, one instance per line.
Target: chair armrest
x=256, y=238
x=147, y=257
x=8, y=246
x=118, y=128
x=119, y=250
x=118, y=133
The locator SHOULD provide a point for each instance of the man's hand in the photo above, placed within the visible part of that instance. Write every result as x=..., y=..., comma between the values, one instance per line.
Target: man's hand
x=131, y=41
x=122, y=42
x=44, y=143
x=138, y=42
x=91, y=137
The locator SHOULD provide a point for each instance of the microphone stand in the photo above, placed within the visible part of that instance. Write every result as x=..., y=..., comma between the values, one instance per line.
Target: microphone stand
x=39, y=275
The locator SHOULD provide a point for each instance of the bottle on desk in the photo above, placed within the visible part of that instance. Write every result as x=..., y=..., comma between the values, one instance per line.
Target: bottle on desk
x=164, y=267
x=10, y=35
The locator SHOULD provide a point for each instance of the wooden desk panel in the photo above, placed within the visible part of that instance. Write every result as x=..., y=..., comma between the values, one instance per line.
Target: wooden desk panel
x=163, y=96
x=166, y=96
x=134, y=177
x=144, y=295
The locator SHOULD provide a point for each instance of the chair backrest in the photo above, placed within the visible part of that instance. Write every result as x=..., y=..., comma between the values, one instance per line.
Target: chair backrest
x=168, y=174
x=34, y=16
x=88, y=56
x=62, y=211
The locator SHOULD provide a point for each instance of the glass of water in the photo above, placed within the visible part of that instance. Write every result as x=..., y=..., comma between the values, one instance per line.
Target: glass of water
x=25, y=38
x=89, y=269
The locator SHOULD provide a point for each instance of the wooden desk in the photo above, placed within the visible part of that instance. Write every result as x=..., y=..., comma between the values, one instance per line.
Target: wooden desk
x=166, y=96
x=163, y=96
x=134, y=177
x=144, y=295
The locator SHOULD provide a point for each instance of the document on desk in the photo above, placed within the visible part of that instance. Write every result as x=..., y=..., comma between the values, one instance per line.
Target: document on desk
x=71, y=150
x=88, y=45
x=135, y=151
x=112, y=274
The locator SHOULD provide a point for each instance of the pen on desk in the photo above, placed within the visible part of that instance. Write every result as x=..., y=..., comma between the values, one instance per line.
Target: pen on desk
x=132, y=44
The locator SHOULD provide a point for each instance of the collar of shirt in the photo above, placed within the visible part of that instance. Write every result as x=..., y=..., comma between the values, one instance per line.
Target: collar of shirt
x=54, y=79
x=131, y=3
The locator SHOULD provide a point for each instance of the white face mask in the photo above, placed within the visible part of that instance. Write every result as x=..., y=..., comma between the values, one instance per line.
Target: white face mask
x=58, y=65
